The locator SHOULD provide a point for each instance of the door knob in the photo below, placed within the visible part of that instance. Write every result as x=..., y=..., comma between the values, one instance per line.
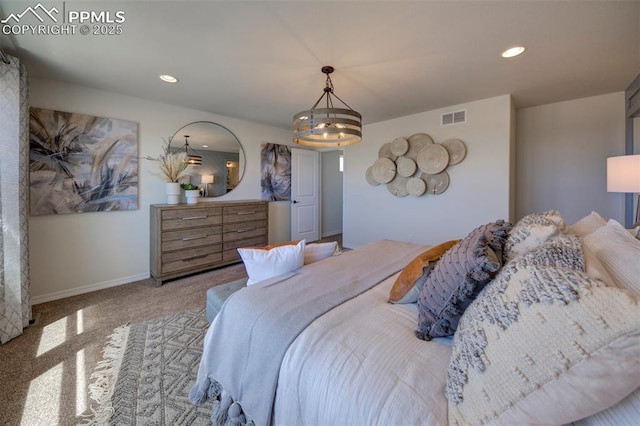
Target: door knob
x=295, y=201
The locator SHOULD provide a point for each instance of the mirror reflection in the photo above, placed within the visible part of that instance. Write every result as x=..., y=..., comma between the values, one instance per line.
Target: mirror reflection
x=216, y=156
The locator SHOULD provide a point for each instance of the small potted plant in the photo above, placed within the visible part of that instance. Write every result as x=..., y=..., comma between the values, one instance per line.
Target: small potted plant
x=172, y=166
x=192, y=192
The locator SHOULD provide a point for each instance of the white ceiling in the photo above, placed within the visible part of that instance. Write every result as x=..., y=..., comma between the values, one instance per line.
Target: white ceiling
x=261, y=60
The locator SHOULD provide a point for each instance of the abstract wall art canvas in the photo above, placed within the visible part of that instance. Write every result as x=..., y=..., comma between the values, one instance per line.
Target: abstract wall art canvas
x=275, y=172
x=81, y=163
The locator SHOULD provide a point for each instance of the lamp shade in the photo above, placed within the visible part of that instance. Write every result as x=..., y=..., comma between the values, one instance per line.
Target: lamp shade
x=623, y=173
x=207, y=179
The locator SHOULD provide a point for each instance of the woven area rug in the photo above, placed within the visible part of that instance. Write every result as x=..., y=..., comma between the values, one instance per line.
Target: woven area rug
x=147, y=372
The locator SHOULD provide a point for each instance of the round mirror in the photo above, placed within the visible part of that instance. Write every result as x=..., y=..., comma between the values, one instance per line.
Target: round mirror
x=216, y=156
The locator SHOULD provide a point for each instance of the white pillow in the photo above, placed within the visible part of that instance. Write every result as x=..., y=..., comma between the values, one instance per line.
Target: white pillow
x=587, y=224
x=619, y=253
x=594, y=267
x=264, y=264
x=318, y=251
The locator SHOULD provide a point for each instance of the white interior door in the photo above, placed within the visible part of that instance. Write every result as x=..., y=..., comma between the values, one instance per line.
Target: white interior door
x=305, y=186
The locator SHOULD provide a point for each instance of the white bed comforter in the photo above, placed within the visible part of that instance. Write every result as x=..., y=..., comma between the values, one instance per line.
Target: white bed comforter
x=247, y=341
x=361, y=364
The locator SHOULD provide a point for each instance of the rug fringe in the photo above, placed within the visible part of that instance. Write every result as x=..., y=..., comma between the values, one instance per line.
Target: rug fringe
x=105, y=375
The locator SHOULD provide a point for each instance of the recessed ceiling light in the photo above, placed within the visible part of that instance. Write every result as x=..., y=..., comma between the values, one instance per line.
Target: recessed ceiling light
x=168, y=78
x=514, y=51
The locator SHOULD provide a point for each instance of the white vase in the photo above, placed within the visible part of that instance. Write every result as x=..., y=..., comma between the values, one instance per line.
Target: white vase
x=192, y=196
x=173, y=193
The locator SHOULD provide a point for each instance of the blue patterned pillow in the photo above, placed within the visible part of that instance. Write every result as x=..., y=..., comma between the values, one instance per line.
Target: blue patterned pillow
x=458, y=278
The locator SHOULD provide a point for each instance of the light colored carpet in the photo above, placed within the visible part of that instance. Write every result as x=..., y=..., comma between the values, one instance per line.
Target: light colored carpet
x=148, y=371
x=46, y=371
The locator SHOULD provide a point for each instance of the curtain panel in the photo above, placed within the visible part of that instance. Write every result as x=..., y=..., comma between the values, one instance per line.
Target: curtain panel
x=15, y=297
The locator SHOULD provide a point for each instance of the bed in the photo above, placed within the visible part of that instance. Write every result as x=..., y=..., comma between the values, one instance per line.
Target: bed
x=322, y=344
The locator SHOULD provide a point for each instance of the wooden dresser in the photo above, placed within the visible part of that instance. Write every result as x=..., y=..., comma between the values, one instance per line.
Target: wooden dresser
x=193, y=238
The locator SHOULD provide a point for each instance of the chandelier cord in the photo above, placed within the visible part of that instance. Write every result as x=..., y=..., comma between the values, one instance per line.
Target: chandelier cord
x=328, y=92
x=186, y=149
x=329, y=84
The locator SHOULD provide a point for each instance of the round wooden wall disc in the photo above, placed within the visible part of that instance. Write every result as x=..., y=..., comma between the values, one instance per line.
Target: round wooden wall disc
x=384, y=170
x=437, y=184
x=433, y=159
x=416, y=186
x=405, y=166
x=399, y=146
x=369, y=176
x=385, y=152
x=398, y=186
x=416, y=143
x=421, y=138
x=457, y=150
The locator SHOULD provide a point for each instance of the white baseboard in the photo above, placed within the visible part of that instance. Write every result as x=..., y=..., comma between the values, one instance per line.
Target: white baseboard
x=56, y=295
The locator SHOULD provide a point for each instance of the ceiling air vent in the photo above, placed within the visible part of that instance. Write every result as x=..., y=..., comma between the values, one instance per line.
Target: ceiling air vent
x=455, y=117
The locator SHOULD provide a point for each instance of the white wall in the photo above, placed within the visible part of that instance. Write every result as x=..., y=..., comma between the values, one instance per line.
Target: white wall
x=76, y=253
x=332, y=190
x=479, y=188
x=561, y=157
x=279, y=221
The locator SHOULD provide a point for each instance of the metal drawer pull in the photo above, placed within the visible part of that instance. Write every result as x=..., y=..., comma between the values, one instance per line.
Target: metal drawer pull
x=195, y=257
x=195, y=217
x=245, y=230
x=199, y=237
x=243, y=213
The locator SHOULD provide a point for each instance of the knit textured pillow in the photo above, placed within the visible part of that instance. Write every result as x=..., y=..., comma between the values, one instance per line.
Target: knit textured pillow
x=532, y=231
x=544, y=343
x=458, y=277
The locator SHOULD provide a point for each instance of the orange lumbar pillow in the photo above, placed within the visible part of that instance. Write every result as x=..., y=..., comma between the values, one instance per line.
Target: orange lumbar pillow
x=415, y=270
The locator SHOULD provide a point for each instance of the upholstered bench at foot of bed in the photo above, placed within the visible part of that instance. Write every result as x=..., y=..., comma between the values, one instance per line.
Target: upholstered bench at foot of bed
x=218, y=294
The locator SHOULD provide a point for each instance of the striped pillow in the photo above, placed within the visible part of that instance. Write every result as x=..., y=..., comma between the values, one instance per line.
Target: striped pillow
x=458, y=277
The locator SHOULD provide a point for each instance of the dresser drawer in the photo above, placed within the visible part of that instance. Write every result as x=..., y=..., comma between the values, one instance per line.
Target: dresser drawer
x=185, y=259
x=193, y=237
x=230, y=255
x=247, y=242
x=229, y=251
x=191, y=218
x=242, y=213
x=243, y=230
